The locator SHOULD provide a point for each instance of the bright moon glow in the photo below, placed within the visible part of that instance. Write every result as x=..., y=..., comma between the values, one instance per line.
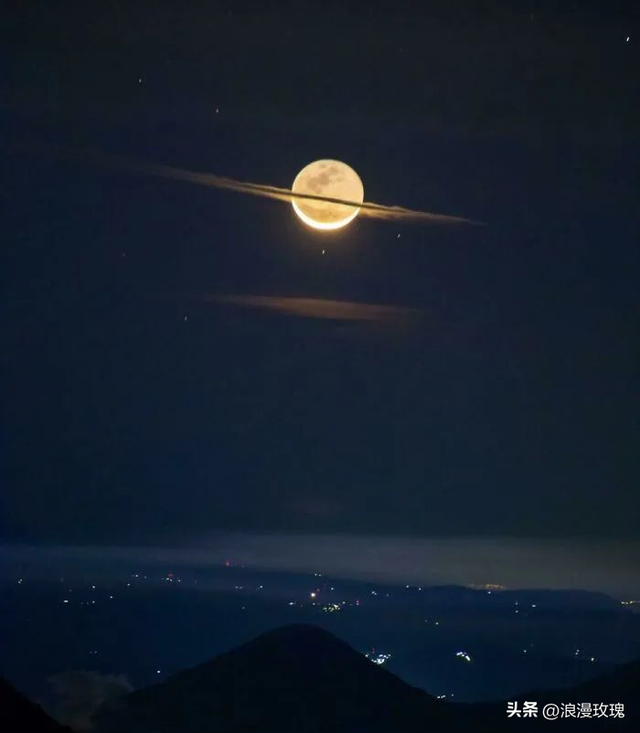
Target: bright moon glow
x=332, y=179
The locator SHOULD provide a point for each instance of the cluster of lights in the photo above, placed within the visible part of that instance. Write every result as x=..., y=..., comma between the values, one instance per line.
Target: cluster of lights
x=378, y=658
x=464, y=655
x=333, y=607
x=487, y=586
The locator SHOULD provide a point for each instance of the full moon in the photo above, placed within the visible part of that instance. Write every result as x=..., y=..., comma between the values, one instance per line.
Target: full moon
x=333, y=179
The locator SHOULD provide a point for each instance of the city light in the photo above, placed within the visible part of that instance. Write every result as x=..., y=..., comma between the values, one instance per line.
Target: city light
x=378, y=657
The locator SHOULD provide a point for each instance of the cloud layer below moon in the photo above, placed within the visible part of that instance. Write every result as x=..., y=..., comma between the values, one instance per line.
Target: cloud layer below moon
x=332, y=310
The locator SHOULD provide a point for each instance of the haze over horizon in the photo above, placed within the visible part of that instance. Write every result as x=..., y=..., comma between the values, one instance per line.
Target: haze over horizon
x=510, y=562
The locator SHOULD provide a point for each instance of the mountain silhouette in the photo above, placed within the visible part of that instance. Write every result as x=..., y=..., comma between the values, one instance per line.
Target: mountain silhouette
x=20, y=715
x=297, y=678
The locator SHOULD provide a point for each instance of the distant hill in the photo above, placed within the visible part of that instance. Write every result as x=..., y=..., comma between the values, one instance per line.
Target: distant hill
x=623, y=682
x=19, y=715
x=297, y=678
x=566, y=600
x=622, y=685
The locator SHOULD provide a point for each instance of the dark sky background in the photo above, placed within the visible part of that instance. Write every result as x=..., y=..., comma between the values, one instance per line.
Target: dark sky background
x=135, y=410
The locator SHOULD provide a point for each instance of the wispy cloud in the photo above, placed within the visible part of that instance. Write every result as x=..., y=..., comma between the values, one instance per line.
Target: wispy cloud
x=367, y=208
x=81, y=693
x=322, y=308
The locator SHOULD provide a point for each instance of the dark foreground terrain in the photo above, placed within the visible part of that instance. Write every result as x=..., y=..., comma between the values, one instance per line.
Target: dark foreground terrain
x=302, y=679
x=19, y=715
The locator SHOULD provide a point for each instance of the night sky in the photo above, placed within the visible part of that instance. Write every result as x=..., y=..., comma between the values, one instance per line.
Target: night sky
x=140, y=410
